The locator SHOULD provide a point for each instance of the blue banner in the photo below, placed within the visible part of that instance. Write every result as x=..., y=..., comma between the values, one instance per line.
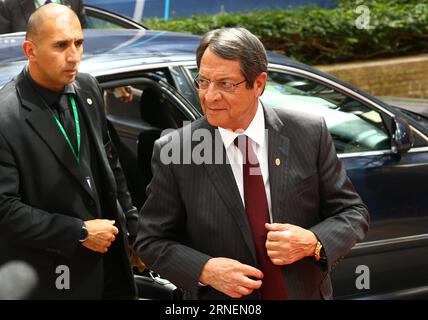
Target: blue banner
x=167, y=9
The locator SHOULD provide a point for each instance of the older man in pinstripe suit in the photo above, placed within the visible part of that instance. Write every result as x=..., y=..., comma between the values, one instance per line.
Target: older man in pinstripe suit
x=273, y=220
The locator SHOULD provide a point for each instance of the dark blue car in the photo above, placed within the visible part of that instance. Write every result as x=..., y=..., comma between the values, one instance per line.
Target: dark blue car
x=384, y=148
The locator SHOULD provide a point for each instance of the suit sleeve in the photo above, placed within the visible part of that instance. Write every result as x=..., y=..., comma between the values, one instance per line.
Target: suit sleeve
x=5, y=23
x=123, y=195
x=344, y=217
x=29, y=226
x=162, y=222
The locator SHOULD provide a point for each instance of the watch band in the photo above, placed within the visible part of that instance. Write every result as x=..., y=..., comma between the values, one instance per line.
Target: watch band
x=317, y=251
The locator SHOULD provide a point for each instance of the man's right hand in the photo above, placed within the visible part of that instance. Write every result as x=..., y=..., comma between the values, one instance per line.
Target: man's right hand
x=101, y=233
x=231, y=277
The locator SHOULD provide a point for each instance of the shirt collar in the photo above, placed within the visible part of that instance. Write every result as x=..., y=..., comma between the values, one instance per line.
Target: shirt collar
x=48, y=95
x=255, y=131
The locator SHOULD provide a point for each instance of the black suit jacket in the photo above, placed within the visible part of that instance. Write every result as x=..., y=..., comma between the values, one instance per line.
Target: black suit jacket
x=44, y=197
x=195, y=212
x=14, y=14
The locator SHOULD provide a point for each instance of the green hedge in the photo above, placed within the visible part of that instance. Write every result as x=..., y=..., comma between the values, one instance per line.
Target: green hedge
x=316, y=35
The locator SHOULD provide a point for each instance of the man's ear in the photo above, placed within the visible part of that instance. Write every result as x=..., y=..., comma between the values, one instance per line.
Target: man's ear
x=29, y=50
x=260, y=83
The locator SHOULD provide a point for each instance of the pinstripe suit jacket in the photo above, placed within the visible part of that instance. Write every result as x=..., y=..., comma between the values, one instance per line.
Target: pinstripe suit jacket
x=194, y=211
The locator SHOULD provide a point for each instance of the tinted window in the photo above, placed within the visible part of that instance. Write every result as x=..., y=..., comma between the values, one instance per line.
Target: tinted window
x=96, y=23
x=353, y=126
x=186, y=89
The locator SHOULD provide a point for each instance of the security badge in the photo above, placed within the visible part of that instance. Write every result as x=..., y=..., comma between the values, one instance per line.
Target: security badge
x=277, y=162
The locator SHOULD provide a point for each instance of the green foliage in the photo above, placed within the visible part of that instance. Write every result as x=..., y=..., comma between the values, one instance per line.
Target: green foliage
x=316, y=35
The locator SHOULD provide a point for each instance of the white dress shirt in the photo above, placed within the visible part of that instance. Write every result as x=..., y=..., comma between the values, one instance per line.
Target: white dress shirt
x=259, y=141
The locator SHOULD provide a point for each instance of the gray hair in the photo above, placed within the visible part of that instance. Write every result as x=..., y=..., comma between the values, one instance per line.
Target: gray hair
x=236, y=44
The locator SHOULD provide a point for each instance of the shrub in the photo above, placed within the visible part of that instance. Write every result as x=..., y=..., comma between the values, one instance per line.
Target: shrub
x=315, y=35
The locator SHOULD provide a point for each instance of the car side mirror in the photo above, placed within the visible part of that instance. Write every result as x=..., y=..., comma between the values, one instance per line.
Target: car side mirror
x=402, y=136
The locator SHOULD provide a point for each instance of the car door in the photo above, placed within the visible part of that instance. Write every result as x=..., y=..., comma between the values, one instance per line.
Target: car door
x=390, y=262
x=136, y=124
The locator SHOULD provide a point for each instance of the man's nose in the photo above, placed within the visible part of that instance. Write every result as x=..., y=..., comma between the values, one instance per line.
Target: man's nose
x=73, y=54
x=212, y=93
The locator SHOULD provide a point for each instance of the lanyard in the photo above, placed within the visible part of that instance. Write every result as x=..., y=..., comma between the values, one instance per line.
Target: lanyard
x=61, y=128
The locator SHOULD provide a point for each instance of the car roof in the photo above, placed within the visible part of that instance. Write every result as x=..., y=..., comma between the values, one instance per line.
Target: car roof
x=112, y=51
x=119, y=48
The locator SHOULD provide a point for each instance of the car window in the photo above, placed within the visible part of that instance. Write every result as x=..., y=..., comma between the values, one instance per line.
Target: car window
x=98, y=23
x=181, y=82
x=98, y=18
x=354, y=126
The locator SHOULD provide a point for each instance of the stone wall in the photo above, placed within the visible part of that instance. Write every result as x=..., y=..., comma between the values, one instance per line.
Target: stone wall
x=399, y=77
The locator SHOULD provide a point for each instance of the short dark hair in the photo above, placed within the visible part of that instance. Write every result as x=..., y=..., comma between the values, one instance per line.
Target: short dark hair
x=236, y=44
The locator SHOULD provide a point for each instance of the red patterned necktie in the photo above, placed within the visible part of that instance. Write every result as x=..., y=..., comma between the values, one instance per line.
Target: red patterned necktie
x=256, y=206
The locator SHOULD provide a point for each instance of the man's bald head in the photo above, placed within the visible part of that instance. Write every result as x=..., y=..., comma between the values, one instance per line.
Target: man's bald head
x=49, y=13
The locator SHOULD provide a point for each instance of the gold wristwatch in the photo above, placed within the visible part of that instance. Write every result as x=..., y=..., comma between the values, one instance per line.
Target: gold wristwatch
x=317, y=251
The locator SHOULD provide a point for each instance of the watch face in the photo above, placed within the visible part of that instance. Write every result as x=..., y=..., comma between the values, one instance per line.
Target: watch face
x=83, y=234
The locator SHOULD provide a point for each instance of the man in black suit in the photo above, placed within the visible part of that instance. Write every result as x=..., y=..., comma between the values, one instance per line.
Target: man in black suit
x=64, y=204
x=272, y=221
x=14, y=14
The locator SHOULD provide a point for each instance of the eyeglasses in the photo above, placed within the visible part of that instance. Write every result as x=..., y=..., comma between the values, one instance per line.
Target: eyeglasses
x=225, y=86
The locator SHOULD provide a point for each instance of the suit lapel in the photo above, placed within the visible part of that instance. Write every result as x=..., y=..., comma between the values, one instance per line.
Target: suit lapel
x=89, y=113
x=278, y=151
x=44, y=125
x=224, y=182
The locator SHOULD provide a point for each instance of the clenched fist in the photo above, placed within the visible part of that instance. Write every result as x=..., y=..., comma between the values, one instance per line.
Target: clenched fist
x=101, y=233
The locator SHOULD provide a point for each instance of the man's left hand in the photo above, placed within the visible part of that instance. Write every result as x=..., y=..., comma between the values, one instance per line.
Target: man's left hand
x=287, y=243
